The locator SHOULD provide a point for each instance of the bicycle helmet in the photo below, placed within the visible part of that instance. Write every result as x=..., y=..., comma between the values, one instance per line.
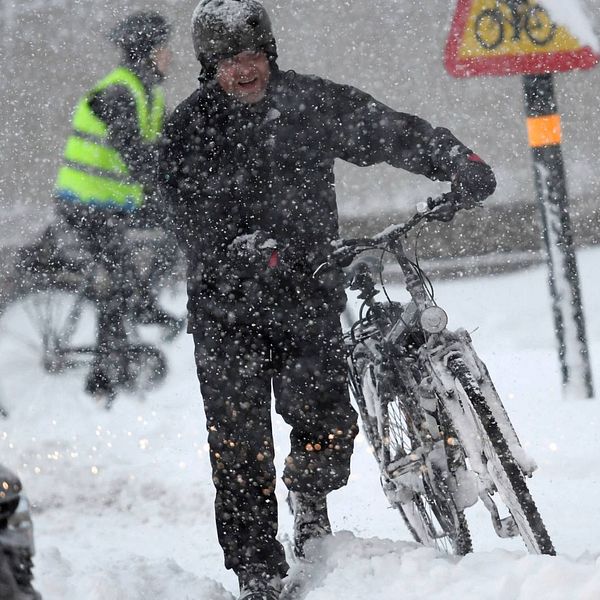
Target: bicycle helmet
x=224, y=28
x=140, y=33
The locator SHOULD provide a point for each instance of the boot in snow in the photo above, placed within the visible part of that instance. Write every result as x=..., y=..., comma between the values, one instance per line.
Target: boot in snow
x=311, y=520
x=260, y=588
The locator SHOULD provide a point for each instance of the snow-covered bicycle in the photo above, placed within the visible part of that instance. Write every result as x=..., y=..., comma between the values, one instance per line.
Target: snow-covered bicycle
x=429, y=409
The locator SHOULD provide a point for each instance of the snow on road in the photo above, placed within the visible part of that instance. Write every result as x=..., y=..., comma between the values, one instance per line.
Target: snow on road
x=123, y=500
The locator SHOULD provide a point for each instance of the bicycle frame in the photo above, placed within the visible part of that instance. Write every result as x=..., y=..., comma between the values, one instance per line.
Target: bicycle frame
x=421, y=325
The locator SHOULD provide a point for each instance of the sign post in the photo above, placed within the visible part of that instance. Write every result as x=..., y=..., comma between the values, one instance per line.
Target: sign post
x=510, y=37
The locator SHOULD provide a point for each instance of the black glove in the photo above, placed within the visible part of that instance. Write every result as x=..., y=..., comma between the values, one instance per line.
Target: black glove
x=255, y=250
x=473, y=180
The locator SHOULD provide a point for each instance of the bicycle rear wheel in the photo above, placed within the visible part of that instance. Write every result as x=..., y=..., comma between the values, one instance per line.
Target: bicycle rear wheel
x=392, y=424
x=503, y=468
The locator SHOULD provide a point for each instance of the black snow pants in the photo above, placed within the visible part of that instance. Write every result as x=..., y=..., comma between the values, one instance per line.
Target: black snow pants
x=303, y=361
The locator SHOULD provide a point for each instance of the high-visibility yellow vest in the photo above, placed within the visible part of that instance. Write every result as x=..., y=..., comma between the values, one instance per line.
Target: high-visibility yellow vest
x=93, y=172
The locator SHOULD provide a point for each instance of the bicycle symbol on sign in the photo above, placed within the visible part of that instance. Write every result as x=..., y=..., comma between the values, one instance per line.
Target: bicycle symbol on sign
x=531, y=19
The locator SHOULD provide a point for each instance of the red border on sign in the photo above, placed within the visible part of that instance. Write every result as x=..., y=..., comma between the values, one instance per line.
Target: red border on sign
x=509, y=64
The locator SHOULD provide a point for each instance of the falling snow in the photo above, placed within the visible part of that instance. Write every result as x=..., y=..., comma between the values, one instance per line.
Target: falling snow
x=123, y=500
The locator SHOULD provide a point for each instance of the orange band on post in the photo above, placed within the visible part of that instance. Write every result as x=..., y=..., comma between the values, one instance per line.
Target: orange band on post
x=544, y=131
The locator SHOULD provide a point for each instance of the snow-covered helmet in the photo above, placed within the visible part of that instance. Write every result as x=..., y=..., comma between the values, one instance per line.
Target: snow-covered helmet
x=140, y=33
x=224, y=28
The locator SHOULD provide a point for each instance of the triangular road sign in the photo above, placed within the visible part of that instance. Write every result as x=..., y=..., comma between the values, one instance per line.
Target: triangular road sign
x=511, y=37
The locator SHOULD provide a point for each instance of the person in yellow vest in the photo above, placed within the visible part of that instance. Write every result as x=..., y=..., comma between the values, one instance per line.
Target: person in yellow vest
x=107, y=176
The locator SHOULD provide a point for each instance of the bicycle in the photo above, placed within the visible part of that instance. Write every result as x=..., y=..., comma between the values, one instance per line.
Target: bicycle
x=491, y=23
x=429, y=409
x=48, y=314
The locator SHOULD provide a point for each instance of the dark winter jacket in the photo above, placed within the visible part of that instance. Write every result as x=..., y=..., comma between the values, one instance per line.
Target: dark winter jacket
x=229, y=169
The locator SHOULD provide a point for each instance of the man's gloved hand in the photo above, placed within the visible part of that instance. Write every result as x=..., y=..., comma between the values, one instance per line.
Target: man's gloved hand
x=473, y=180
x=253, y=249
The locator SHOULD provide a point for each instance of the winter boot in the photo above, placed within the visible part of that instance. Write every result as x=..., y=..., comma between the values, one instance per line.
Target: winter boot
x=100, y=388
x=16, y=541
x=311, y=520
x=260, y=588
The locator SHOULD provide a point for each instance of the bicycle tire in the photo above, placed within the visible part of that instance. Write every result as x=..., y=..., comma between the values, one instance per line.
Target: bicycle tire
x=505, y=471
x=432, y=520
x=497, y=20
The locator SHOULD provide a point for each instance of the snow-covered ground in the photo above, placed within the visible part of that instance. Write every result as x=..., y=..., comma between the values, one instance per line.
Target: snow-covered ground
x=123, y=500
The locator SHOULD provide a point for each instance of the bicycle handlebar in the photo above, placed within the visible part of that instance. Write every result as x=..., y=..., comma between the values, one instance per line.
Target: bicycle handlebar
x=440, y=208
x=430, y=210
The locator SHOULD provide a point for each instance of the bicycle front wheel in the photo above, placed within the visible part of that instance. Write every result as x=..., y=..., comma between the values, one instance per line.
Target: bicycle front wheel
x=503, y=468
x=392, y=423
x=50, y=330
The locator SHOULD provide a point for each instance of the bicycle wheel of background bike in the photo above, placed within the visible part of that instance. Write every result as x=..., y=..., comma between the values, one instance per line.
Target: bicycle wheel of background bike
x=39, y=329
x=502, y=466
x=393, y=433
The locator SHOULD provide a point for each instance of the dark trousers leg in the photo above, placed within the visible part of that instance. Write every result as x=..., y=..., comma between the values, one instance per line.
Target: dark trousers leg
x=108, y=247
x=312, y=396
x=235, y=379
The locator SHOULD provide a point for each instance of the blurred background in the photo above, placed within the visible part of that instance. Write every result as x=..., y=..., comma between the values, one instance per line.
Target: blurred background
x=52, y=51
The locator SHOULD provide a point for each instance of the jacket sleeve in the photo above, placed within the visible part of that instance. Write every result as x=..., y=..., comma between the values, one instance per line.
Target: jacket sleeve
x=364, y=132
x=175, y=194
x=116, y=107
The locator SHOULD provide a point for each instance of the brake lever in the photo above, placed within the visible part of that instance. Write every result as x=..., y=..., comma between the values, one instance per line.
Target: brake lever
x=442, y=208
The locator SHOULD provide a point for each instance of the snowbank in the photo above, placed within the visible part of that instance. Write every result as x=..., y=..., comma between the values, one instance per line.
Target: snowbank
x=123, y=500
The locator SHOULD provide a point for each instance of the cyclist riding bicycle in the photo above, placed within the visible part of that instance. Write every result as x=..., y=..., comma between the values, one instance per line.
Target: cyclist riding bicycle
x=105, y=184
x=247, y=172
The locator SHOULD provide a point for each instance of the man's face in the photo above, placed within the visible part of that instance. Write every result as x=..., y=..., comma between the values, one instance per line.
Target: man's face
x=245, y=76
x=162, y=57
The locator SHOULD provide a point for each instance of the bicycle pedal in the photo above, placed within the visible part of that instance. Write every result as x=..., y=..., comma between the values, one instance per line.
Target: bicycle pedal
x=506, y=527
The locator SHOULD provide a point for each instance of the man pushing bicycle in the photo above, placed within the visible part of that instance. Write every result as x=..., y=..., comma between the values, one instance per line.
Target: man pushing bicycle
x=247, y=171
